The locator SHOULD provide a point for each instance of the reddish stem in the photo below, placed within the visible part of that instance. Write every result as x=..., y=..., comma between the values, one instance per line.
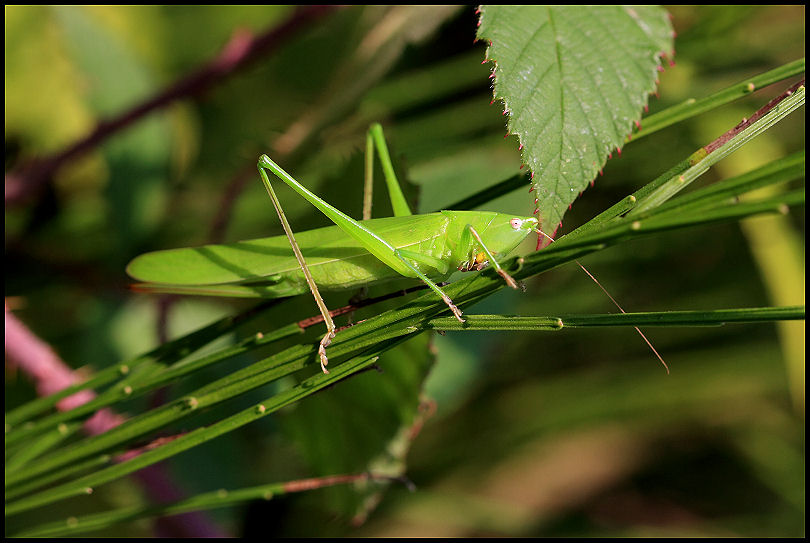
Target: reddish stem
x=745, y=123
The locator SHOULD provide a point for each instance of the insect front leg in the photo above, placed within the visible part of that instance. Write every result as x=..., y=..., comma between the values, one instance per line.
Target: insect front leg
x=506, y=277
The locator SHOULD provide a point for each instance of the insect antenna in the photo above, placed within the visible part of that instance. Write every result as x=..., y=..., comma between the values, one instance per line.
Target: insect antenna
x=612, y=299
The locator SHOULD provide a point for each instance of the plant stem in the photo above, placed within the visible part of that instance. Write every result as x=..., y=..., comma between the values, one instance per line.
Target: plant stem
x=716, y=317
x=691, y=107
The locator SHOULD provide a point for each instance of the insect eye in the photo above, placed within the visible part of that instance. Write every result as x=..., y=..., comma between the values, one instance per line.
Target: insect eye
x=516, y=223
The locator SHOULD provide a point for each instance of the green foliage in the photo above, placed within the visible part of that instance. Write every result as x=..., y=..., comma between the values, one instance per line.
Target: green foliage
x=576, y=432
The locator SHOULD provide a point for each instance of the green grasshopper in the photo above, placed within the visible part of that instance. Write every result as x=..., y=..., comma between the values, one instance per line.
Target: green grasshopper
x=350, y=254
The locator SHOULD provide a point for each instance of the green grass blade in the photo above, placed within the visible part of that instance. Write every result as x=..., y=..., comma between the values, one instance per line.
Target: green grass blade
x=85, y=485
x=691, y=107
x=35, y=447
x=256, y=375
x=776, y=172
x=174, y=350
x=715, y=317
x=784, y=108
x=200, y=502
x=153, y=378
x=65, y=473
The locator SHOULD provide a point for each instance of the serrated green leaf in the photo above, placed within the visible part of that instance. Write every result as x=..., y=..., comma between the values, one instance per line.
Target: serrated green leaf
x=573, y=80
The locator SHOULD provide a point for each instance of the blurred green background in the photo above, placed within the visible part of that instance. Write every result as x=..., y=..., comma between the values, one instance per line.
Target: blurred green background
x=575, y=433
